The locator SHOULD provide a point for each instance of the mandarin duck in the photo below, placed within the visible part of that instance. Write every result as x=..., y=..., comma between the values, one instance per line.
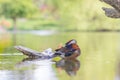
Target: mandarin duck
x=70, y=51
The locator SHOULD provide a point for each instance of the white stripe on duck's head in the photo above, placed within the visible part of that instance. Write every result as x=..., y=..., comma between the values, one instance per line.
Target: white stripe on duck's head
x=73, y=41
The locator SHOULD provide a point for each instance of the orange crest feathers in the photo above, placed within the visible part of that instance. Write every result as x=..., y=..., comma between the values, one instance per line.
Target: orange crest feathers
x=60, y=45
x=75, y=46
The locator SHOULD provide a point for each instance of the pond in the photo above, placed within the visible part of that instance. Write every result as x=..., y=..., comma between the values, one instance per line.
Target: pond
x=99, y=59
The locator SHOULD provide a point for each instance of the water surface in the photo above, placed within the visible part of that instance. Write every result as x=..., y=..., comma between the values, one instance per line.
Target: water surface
x=99, y=59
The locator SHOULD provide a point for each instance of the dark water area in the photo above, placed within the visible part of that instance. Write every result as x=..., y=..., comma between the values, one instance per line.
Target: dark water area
x=99, y=59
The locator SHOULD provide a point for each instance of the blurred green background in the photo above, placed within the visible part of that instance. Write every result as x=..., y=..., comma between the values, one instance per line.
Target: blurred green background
x=40, y=24
x=63, y=15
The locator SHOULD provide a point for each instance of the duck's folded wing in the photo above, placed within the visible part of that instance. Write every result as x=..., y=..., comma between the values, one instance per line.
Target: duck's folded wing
x=29, y=52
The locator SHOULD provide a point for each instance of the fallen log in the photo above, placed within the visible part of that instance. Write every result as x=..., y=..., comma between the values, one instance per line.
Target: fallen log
x=29, y=52
x=47, y=54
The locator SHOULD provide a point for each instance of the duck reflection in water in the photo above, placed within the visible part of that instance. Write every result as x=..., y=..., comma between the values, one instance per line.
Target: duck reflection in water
x=70, y=66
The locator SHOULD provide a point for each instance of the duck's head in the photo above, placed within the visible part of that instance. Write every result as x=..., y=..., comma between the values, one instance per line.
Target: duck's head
x=73, y=41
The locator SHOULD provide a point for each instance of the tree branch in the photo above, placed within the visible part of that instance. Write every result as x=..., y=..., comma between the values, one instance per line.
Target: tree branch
x=109, y=12
x=112, y=12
